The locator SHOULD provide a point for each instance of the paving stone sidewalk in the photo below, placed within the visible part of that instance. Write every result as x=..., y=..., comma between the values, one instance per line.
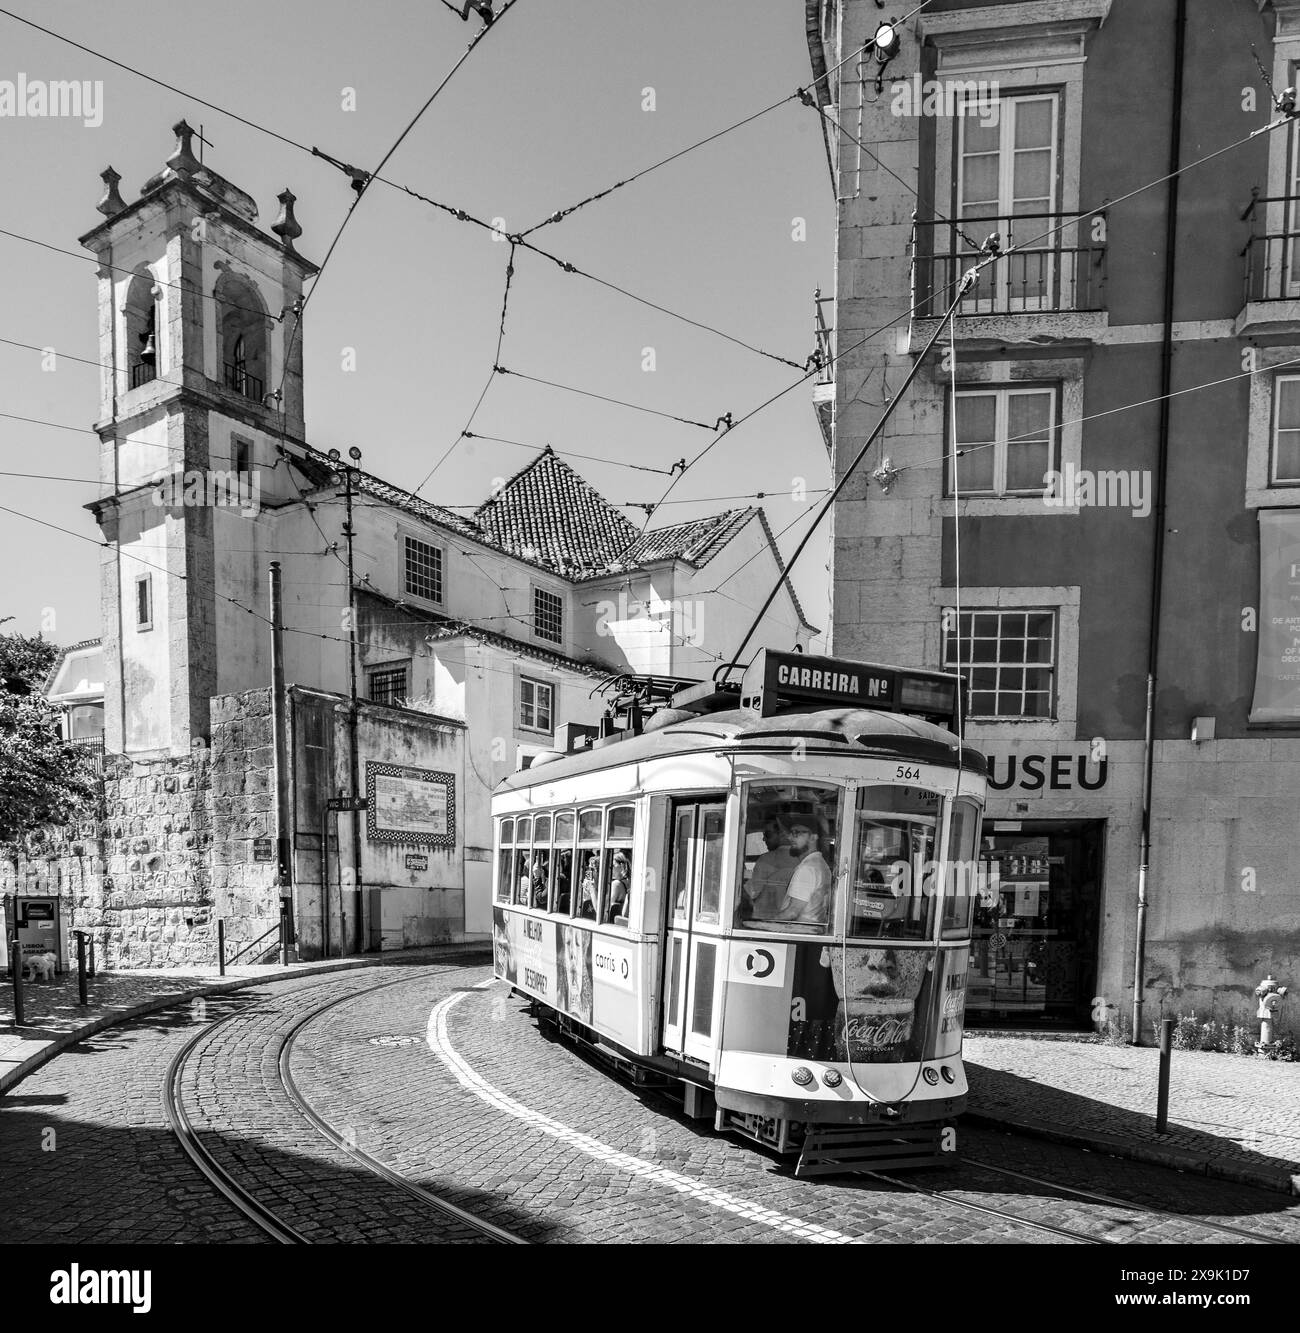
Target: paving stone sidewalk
x=55, y=1019
x=1230, y=1116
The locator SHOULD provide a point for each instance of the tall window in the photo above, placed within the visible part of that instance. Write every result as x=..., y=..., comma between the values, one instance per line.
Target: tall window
x=548, y=615
x=1284, y=465
x=144, y=602
x=1006, y=171
x=141, y=330
x=245, y=336
x=423, y=569
x=388, y=684
x=1008, y=658
x=1009, y=441
x=535, y=705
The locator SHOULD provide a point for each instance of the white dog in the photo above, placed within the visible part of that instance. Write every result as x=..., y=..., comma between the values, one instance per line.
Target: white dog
x=42, y=964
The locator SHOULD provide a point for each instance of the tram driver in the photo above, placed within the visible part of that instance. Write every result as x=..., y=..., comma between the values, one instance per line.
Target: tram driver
x=807, y=897
x=765, y=890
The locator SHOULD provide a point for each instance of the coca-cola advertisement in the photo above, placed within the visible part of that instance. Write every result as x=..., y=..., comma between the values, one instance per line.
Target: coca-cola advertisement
x=873, y=1005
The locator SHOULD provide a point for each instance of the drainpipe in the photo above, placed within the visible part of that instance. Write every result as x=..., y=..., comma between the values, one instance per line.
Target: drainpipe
x=1158, y=554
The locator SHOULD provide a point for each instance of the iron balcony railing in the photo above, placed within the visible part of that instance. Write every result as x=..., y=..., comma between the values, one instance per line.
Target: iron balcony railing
x=1061, y=268
x=238, y=379
x=142, y=373
x=1272, y=251
x=824, y=355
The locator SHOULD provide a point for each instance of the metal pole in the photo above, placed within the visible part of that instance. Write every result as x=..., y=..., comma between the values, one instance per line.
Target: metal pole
x=90, y=972
x=221, y=945
x=325, y=882
x=280, y=745
x=16, y=974
x=1162, y=1094
x=284, y=932
x=81, y=967
x=353, y=757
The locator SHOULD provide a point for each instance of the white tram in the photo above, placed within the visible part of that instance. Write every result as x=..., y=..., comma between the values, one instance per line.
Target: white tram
x=761, y=896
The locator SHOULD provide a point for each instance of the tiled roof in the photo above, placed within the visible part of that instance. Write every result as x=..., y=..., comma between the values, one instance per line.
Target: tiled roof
x=548, y=514
x=695, y=541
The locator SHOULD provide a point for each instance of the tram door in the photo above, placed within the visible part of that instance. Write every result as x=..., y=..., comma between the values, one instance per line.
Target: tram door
x=692, y=946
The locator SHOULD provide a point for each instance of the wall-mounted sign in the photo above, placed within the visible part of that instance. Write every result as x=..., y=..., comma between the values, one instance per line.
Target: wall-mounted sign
x=263, y=849
x=1277, y=668
x=415, y=806
x=416, y=861
x=1049, y=772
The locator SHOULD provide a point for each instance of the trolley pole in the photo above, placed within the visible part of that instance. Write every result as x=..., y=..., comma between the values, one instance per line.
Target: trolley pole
x=1162, y=1093
x=354, y=759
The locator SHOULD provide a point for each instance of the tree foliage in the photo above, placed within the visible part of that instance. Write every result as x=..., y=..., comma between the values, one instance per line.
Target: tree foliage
x=43, y=779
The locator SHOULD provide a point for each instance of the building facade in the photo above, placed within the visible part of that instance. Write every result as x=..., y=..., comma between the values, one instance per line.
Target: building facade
x=1089, y=498
x=467, y=639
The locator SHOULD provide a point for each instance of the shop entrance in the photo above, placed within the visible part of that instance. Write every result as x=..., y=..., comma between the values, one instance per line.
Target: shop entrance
x=1034, y=945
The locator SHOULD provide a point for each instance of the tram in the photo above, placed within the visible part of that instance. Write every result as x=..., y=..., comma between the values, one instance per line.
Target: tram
x=761, y=896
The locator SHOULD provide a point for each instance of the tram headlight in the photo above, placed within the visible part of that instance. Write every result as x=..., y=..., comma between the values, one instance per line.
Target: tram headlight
x=832, y=1078
x=930, y=1074
x=948, y=1075
x=802, y=1076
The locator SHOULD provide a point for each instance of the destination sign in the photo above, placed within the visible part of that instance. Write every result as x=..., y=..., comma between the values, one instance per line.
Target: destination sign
x=774, y=678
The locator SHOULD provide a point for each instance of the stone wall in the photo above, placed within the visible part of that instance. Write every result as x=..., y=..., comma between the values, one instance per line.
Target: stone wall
x=170, y=851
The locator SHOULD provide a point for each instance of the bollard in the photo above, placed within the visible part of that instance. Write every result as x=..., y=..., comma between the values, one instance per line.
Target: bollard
x=221, y=945
x=81, y=966
x=16, y=972
x=1162, y=1094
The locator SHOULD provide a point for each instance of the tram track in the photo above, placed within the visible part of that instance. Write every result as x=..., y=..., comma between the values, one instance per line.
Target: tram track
x=1225, y=1228
x=252, y=1203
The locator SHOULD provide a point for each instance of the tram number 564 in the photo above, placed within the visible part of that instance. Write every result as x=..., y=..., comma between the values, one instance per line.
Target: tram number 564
x=904, y=772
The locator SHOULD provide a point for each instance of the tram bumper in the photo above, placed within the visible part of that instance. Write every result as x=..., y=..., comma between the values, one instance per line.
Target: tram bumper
x=819, y=1111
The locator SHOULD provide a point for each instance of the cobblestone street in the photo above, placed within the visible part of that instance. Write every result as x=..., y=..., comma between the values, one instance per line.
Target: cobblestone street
x=443, y=1077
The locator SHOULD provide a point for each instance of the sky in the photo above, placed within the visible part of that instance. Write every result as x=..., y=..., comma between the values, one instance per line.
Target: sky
x=561, y=99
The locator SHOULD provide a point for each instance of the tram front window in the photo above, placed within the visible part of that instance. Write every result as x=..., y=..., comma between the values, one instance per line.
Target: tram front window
x=962, y=886
x=790, y=840
x=894, y=871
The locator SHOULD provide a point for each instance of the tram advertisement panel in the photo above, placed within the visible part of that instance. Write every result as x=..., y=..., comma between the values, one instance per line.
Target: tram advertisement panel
x=872, y=1005
x=588, y=976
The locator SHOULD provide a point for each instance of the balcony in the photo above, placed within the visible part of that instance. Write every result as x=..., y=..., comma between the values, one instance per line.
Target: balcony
x=1271, y=269
x=143, y=372
x=241, y=382
x=1053, y=290
x=823, y=362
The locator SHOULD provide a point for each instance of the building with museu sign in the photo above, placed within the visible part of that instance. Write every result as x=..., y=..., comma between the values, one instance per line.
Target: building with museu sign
x=1088, y=499
x=470, y=637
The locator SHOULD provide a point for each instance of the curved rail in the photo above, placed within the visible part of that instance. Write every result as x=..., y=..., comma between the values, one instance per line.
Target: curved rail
x=248, y=1203
x=220, y=1180
x=431, y=1200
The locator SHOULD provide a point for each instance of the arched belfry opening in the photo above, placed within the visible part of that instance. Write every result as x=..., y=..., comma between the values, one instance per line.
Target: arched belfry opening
x=142, y=332
x=244, y=333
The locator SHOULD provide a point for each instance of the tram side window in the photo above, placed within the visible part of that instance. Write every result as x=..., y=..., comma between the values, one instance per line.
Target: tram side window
x=586, y=897
x=522, y=879
x=616, y=897
x=681, y=862
x=790, y=843
x=962, y=882
x=539, y=872
x=562, y=889
x=894, y=869
x=506, y=861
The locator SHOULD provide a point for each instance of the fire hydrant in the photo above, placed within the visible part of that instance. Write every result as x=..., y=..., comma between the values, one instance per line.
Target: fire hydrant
x=1270, y=1001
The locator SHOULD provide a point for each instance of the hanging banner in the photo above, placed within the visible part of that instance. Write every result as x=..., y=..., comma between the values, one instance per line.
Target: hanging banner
x=1277, y=670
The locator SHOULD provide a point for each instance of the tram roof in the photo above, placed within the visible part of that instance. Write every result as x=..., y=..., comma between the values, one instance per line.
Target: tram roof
x=892, y=735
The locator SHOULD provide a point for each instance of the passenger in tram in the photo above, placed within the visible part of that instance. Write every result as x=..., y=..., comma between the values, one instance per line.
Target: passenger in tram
x=563, y=882
x=618, y=886
x=590, y=889
x=807, y=896
x=770, y=878
x=538, y=874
